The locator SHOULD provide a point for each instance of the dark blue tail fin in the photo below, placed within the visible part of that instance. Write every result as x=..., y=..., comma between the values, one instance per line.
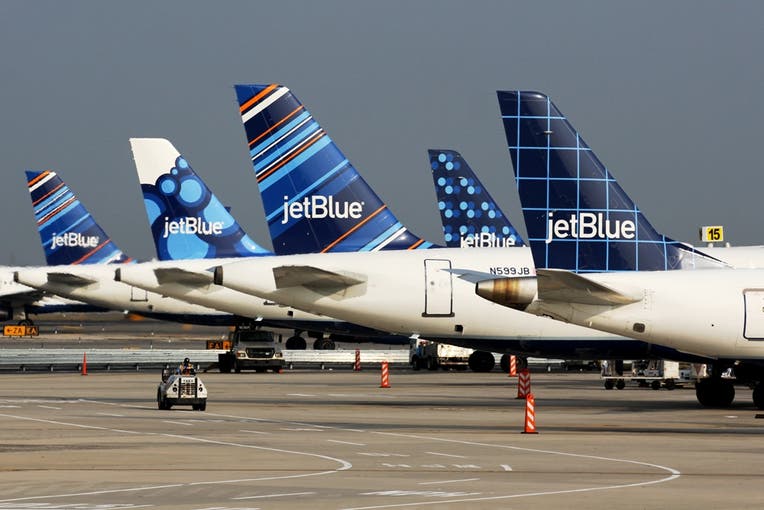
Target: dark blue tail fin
x=469, y=215
x=187, y=220
x=68, y=232
x=578, y=217
x=315, y=201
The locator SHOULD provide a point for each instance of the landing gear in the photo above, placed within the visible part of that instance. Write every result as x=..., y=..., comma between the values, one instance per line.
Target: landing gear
x=296, y=343
x=324, y=344
x=521, y=362
x=481, y=361
x=26, y=322
x=758, y=395
x=715, y=392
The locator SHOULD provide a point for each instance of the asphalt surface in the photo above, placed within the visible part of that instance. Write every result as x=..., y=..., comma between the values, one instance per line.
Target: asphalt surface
x=335, y=439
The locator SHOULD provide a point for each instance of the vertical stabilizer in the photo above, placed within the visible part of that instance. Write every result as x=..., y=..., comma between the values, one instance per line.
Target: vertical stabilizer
x=314, y=199
x=578, y=217
x=469, y=215
x=68, y=232
x=187, y=220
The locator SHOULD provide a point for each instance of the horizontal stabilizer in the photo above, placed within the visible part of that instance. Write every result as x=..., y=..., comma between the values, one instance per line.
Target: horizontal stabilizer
x=561, y=285
x=314, y=278
x=74, y=280
x=167, y=275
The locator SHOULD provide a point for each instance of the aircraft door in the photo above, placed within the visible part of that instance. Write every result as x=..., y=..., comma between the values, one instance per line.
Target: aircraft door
x=438, y=292
x=754, y=315
x=137, y=294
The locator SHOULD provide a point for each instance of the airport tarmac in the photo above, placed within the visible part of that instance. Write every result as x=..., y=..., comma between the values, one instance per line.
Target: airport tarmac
x=335, y=439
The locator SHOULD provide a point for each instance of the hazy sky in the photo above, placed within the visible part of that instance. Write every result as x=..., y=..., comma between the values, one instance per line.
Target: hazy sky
x=668, y=94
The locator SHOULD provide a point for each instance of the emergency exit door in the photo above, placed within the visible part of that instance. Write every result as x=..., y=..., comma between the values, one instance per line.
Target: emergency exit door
x=438, y=291
x=754, y=314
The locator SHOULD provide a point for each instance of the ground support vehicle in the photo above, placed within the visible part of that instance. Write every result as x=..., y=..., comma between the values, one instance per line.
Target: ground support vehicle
x=434, y=355
x=647, y=373
x=251, y=349
x=181, y=390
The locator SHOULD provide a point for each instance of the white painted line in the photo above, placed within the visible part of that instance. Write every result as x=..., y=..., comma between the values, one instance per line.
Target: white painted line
x=506, y=467
x=450, y=481
x=276, y=495
x=9, y=407
x=448, y=455
x=176, y=422
x=300, y=429
x=345, y=442
x=126, y=431
x=300, y=395
x=50, y=407
x=253, y=431
x=343, y=464
x=111, y=414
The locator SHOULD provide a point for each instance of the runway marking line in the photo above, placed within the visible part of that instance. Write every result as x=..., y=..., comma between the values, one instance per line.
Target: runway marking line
x=447, y=455
x=673, y=473
x=275, y=495
x=450, y=481
x=345, y=442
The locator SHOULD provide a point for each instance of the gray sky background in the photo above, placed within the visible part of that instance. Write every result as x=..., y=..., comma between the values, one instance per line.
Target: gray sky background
x=668, y=94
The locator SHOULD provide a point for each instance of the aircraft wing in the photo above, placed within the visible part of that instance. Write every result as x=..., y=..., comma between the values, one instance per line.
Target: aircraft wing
x=72, y=279
x=314, y=278
x=561, y=285
x=183, y=276
x=15, y=293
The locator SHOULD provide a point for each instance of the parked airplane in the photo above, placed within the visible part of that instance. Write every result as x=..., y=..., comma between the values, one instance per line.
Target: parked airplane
x=70, y=235
x=409, y=292
x=602, y=265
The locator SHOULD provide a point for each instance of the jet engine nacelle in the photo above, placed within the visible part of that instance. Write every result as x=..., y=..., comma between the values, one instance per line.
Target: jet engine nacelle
x=515, y=293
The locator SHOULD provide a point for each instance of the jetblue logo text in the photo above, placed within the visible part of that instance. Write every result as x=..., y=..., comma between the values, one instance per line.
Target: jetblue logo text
x=193, y=226
x=589, y=226
x=74, y=240
x=318, y=207
x=486, y=240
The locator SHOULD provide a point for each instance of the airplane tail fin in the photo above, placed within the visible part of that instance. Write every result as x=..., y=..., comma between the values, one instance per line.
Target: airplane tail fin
x=578, y=217
x=469, y=215
x=314, y=199
x=186, y=219
x=68, y=232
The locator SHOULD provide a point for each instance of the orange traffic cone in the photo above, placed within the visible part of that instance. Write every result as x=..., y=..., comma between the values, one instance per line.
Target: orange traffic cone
x=385, y=375
x=523, y=384
x=84, y=363
x=530, y=415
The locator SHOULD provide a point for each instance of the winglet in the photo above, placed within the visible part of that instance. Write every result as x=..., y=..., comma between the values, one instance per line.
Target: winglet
x=187, y=220
x=68, y=232
x=314, y=199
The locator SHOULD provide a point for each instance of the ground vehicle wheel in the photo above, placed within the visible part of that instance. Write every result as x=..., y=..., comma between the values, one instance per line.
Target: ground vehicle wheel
x=620, y=384
x=714, y=392
x=202, y=406
x=670, y=384
x=296, y=342
x=656, y=385
x=758, y=395
x=481, y=361
x=504, y=363
x=416, y=363
x=236, y=368
x=160, y=401
x=609, y=384
x=432, y=364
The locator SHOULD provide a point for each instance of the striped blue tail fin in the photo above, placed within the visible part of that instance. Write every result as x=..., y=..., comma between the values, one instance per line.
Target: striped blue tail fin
x=578, y=217
x=187, y=220
x=314, y=199
x=469, y=214
x=68, y=232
